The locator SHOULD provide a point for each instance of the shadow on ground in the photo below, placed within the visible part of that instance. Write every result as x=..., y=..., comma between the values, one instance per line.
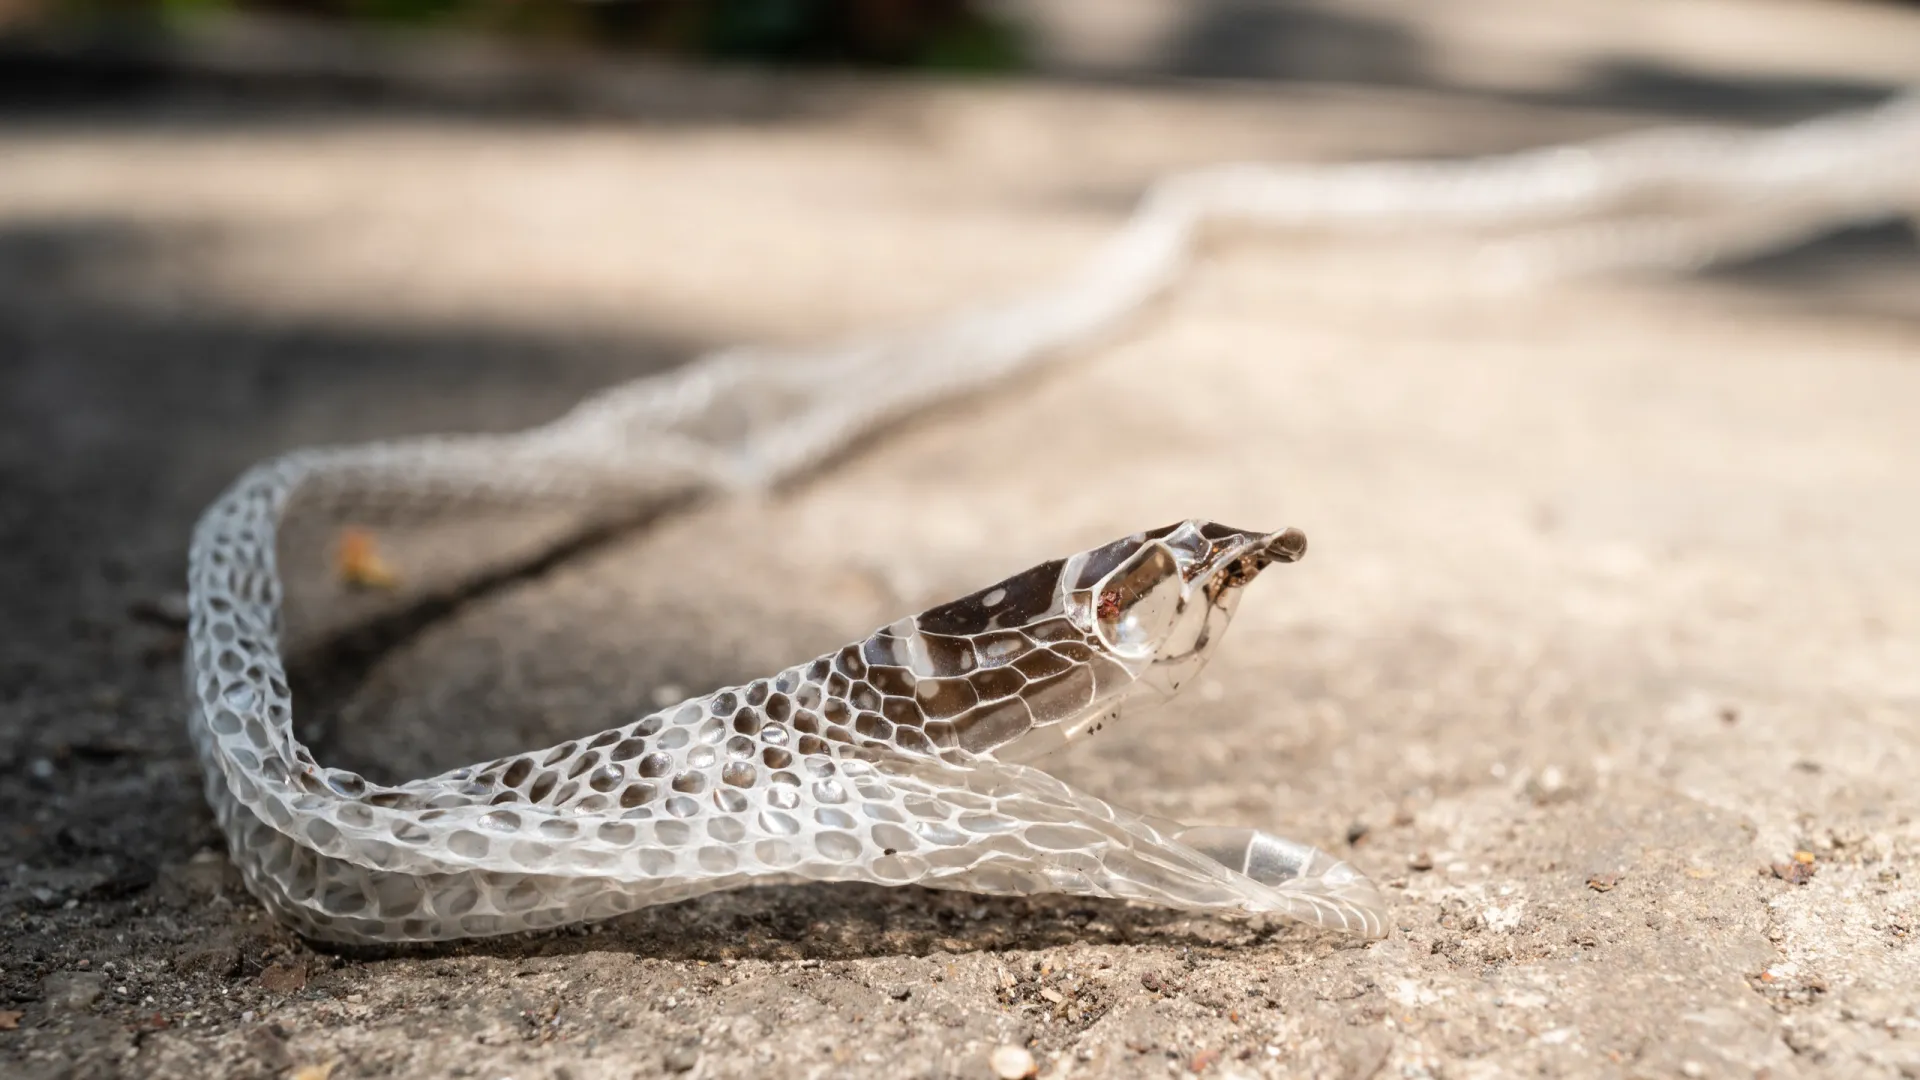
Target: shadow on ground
x=1868, y=271
x=123, y=412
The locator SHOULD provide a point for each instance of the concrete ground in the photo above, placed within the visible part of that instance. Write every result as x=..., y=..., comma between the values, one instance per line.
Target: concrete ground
x=1605, y=661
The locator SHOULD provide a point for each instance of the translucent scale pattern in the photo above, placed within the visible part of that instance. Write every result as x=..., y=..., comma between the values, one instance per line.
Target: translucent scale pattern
x=901, y=758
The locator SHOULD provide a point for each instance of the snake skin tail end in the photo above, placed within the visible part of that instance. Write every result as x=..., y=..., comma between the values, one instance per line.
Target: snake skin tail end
x=1301, y=881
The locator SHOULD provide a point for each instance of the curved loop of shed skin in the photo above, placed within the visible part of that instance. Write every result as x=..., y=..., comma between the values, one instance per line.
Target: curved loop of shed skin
x=759, y=782
x=884, y=761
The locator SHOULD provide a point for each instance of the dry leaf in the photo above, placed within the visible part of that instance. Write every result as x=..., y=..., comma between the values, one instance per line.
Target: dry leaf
x=314, y=1072
x=358, y=563
x=10, y=1019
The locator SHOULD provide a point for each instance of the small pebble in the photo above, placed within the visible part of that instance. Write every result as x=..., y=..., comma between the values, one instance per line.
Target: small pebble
x=74, y=992
x=681, y=1058
x=1421, y=861
x=1012, y=1063
x=1798, y=872
x=901, y=993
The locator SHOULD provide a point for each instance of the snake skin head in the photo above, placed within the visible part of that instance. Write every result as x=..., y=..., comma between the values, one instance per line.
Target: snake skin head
x=1025, y=666
x=1170, y=594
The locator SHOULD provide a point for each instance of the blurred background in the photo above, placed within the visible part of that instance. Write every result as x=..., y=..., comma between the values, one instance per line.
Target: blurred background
x=1653, y=54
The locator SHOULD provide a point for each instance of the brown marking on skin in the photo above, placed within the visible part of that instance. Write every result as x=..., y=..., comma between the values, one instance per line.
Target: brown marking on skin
x=1238, y=574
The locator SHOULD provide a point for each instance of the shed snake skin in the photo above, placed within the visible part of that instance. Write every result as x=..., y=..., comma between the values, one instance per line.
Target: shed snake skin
x=902, y=758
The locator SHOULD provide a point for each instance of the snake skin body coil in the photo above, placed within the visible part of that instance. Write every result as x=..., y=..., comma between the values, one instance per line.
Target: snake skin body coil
x=901, y=758
x=893, y=760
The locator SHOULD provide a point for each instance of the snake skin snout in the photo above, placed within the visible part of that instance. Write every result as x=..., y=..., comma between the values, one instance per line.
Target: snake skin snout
x=1287, y=545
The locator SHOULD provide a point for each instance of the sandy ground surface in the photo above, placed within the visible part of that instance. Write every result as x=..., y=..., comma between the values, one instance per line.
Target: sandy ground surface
x=1606, y=660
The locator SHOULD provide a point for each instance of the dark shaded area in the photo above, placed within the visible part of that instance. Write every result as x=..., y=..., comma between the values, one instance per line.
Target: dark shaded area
x=848, y=921
x=1251, y=39
x=120, y=419
x=1640, y=86
x=153, y=402
x=60, y=63
x=57, y=73
x=467, y=55
x=1870, y=270
x=1291, y=41
x=875, y=33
